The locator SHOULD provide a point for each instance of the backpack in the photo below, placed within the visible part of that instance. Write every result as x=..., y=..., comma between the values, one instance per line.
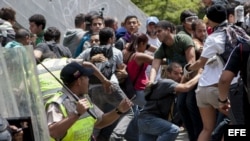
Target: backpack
x=235, y=35
x=79, y=48
x=7, y=33
x=120, y=44
x=246, y=86
x=59, y=51
x=106, y=67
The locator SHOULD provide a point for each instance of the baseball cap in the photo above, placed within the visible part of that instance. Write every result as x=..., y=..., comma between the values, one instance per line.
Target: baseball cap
x=152, y=19
x=73, y=71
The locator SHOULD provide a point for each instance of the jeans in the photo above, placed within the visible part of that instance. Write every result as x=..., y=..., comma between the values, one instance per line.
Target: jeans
x=189, y=113
x=101, y=99
x=152, y=128
x=132, y=133
x=140, y=98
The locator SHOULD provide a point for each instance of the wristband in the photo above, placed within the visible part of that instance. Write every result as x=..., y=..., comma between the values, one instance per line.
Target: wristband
x=118, y=111
x=223, y=101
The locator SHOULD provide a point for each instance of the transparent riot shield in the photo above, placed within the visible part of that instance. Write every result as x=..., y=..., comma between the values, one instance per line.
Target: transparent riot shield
x=20, y=97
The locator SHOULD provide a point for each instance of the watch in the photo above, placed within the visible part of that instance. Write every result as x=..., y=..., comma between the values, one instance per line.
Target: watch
x=77, y=113
x=118, y=111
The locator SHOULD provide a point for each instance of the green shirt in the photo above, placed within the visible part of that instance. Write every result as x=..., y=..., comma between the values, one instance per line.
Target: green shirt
x=40, y=38
x=176, y=52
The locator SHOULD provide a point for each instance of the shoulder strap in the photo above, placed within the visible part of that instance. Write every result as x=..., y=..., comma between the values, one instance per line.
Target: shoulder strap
x=130, y=55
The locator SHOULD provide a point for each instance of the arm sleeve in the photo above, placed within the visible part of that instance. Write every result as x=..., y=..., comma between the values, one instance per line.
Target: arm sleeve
x=53, y=114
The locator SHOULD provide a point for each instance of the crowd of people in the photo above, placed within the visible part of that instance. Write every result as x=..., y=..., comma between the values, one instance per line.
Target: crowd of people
x=87, y=98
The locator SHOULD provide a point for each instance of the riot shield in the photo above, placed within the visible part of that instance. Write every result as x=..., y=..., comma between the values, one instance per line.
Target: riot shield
x=21, y=102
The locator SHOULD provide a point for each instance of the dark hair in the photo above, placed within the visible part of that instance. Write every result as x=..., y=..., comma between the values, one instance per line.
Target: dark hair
x=38, y=19
x=173, y=65
x=137, y=38
x=88, y=18
x=164, y=24
x=21, y=34
x=52, y=33
x=7, y=13
x=185, y=14
x=109, y=22
x=79, y=19
x=129, y=17
x=96, y=17
x=195, y=23
x=246, y=7
x=105, y=34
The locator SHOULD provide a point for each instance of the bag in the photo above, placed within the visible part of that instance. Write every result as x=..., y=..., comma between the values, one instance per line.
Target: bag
x=106, y=67
x=59, y=51
x=128, y=87
x=234, y=36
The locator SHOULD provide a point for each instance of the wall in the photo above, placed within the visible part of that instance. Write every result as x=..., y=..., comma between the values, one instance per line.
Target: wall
x=61, y=13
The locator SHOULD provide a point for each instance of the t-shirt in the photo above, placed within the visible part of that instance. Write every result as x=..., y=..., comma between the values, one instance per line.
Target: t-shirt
x=161, y=106
x=176, y=52
x=236, y=64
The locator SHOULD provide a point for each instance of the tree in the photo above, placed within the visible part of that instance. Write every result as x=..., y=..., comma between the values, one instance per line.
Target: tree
x=169, y=9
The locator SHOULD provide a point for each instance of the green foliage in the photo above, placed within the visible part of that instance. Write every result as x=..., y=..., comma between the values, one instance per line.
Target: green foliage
x=169, y=9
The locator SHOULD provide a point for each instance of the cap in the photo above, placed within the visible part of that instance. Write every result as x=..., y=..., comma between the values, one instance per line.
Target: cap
x=152, y=19
x=73, y=71
x=217, y=13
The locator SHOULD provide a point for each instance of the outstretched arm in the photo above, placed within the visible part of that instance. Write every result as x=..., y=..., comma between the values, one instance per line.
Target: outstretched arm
x=185, y=87
x=112, y=116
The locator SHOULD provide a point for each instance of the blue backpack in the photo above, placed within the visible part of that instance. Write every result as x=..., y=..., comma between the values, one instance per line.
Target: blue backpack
x=79, y=49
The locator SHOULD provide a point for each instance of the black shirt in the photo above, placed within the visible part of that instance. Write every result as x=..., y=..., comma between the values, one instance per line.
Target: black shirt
x=238, y=61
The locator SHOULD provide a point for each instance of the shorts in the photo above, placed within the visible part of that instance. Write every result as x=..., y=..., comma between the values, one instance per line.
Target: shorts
x=207, y=96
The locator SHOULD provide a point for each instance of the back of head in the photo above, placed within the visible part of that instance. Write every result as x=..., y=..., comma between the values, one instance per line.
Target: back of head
x=38, y=19
x=136, y=39
x=22, y=34
x=79, y=19
x=105, y=34
x=8, y=14
x=217, y=13
x=52, y=33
